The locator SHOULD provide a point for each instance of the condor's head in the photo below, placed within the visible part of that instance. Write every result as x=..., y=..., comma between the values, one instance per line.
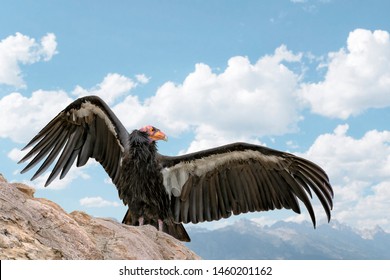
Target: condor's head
x=154, y=134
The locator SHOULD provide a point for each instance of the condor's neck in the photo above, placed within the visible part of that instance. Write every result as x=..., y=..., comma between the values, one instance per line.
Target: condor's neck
x=141, y=149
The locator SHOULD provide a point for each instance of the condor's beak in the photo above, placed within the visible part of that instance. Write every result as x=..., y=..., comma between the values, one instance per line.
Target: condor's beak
x=159, y=135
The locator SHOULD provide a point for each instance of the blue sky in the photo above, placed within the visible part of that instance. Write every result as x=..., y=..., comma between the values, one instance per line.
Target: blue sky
x=310, y=77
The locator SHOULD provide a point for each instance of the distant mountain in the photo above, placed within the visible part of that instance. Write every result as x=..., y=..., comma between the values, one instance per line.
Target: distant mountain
x=288, y=240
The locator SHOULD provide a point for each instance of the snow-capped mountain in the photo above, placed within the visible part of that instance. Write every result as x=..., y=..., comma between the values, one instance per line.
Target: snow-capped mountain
x=287, y=240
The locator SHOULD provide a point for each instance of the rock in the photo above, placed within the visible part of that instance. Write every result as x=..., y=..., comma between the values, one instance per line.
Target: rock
x=2, y=179
x=37, y=228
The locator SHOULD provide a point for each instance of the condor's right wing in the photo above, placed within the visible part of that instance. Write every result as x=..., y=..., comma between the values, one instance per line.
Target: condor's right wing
x=86, y=128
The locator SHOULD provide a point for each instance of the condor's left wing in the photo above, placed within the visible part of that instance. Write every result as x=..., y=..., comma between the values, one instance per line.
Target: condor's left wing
x=240, y=178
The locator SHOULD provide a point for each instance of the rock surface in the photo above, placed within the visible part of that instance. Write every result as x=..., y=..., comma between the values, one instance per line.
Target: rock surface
x=36, y=228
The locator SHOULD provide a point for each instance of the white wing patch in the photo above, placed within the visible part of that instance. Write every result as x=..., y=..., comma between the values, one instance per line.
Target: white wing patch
x=176, y=176
x=87, y=110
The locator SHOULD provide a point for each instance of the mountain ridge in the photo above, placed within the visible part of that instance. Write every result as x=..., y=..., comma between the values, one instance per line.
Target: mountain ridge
x=289, y=240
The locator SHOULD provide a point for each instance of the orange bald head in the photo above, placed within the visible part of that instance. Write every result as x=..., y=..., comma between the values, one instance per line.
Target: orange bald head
x=154, y=133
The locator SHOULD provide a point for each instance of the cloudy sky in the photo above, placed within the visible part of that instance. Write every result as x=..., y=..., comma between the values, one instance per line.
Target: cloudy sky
x=310, y=77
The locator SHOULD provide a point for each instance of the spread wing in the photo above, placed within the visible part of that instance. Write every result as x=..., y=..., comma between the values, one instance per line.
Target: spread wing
x=86, y=128
x=240, y=178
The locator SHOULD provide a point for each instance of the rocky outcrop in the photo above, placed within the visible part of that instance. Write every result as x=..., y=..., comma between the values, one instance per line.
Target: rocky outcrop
x=37, y=228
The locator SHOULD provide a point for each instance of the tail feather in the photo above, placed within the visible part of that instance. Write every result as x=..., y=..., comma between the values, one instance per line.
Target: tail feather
x=176, y=230
x=128, y=220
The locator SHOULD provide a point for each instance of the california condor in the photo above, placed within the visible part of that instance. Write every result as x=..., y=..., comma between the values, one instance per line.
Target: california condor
x=166, y=191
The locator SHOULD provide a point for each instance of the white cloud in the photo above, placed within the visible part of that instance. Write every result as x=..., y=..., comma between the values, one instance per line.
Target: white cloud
x=49, y=46
x=97, y=202
x=22, y=117
x=73, y=174
x=245, y=101
x=341, y=154
x=359, y=170
x=373, y=208
x=20, y=49
x=266, y=220
x=110, y=89
x=33, y=113
x=132, y=113
x=16, y=154
x=208, y=136
x=142, y=78
x=357, y=77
